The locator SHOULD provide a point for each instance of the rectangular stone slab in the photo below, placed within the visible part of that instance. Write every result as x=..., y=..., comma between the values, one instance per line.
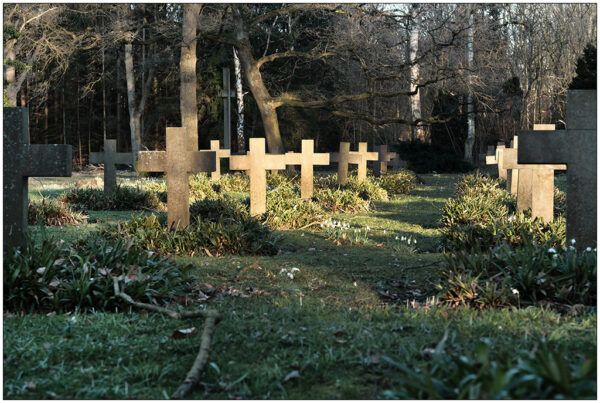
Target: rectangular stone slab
x=576, y=147
x=109, y=158
x=22, y=160
x=178, y=163
x=255, y=163
x=306, y=160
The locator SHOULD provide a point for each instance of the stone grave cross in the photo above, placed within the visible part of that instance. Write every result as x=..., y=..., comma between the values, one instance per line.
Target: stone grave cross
x=345, y=157
x=575, y=147
x=22, y=160
x=220, y=153
x=533, y=184
x=110, y=157
x=255, y=163
x=384, y=157
x=306, y=160
x=177, y=162
x=497, y=159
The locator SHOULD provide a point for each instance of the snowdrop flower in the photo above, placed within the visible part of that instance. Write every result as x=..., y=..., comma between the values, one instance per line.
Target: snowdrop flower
x=573, y=241
x=588, y=249
x=290, y=275
x=384, y=231
x=397, y=238
x=403, y=238
x=551, y=250
x=555, y=256
x=515, y=291
x=368, y=228
x=294, y=269
x=282, y=271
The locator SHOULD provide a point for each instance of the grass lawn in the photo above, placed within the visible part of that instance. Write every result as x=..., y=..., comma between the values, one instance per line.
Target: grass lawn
x=344, y=327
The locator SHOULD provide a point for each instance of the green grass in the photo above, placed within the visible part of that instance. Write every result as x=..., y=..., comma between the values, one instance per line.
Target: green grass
x=346, y=309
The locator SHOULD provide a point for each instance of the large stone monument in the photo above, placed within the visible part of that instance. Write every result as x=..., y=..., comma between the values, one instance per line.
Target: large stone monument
x=384, y=158
x=345, y=157
x=220, y=153
x=110, y=157
x=21, y=161
x=177, y=162
x=575, y=147
x=255, y=163
x=306, y=160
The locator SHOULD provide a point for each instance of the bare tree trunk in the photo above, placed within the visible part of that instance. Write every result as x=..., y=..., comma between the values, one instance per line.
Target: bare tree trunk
x=240, y=102
x=470, y=141
x=64, y=117
x=262, y=98
x=187, y=65
x=134, y=115
x=417, y=132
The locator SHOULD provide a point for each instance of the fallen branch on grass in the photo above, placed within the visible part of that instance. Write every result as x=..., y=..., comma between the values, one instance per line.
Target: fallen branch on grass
x=211, y=319
x=193, y=376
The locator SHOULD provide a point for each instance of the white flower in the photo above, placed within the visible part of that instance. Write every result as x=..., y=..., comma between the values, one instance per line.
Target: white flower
x=282, y=271
x=555, y=256
x=551, y=250
x=415, y=241
x=368, y=228
x=403, y=238
x=515, y=291
x=294, y=269
x=588, y=249
x=290, y=275
x=397, y=238
x=573, y=241
x=384, y=231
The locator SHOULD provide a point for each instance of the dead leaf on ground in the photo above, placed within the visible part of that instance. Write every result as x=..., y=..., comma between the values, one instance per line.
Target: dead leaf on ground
x=184, y=333
x=292, y=375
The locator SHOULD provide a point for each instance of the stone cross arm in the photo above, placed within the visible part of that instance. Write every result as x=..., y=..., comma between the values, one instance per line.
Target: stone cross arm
x=245, y=162
x=120, y=158
x=292, y=158
x=196, y=161
x=353, y=157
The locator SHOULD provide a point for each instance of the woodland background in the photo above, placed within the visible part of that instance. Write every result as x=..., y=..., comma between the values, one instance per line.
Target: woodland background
x=460, y=76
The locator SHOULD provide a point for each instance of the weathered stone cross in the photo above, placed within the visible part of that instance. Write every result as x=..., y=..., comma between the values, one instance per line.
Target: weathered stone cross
x=575, y=147
x=220, y=153
x=497, y=159
x=533, y=184
x=109, y=158
x=21, y=161
x=384, y=157
x=345, y=157
x=178, y=163
x=256, y=163
x=306, y=160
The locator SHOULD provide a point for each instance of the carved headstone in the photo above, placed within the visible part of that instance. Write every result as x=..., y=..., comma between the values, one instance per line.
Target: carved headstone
x=177, y=162
x=575, y=147
x=110, y=157
x=220, y=153
x=306, y=160
x=21, y=161
x=384, y=158
x=255, y=163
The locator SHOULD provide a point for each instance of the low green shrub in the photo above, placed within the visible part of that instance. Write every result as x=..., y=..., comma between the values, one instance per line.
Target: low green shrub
x=367, y=189
x=400, y=182
x=476, y=374
x=286, y=210
x=213, y=238
x=54, y=277
x=124, y=198
x=233, y=182
x=341, y=200
x=483, y=214
x=223, y=207
x=201, y=187
x=52, y=212
x=533, y=272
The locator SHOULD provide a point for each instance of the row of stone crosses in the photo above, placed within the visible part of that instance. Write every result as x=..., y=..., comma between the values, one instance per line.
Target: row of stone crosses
x=528, y=167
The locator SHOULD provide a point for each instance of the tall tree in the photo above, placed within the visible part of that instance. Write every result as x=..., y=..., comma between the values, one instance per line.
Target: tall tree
x=187, y=66
x=470, y=141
